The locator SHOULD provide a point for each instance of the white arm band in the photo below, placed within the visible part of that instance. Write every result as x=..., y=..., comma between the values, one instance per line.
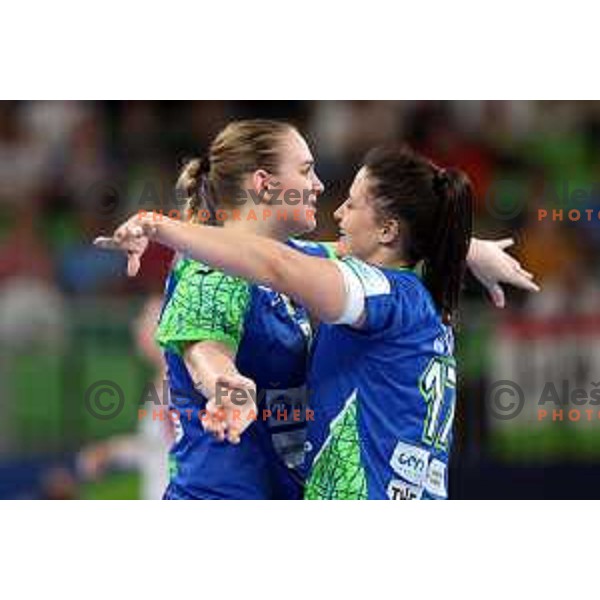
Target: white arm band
x=355, y=296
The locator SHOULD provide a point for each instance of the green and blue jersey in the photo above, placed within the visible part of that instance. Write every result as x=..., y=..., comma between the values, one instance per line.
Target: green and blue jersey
x=271, y=337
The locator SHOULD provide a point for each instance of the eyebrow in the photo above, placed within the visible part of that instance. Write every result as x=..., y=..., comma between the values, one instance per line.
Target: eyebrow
x=309, y=162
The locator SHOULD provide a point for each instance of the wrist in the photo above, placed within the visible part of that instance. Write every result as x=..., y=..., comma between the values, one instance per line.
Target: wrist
x=151, y=225
x=473, y=252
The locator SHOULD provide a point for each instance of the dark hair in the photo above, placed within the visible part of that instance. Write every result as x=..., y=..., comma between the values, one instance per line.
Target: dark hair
x=434, y=210
x=240, y=148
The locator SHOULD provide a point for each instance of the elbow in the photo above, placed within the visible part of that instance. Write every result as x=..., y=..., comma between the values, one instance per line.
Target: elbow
x=279, y=272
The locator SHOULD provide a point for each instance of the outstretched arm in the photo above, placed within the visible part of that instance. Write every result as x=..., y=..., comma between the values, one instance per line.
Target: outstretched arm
x=488, y=260
x=491, y=265
x=311, y=281
x=316, y=283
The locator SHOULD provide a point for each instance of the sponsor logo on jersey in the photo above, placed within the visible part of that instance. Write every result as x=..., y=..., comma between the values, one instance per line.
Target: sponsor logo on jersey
x=289, y=445
x=444, y=343
x=400, y=490
x=410, y=462
x=177, y=431
x=435, y=482
x=374, y=282
x=287, y=407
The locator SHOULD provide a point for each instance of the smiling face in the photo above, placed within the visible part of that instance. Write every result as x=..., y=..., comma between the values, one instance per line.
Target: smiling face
x=297, y=184
x=360, y=230
x=264, y=169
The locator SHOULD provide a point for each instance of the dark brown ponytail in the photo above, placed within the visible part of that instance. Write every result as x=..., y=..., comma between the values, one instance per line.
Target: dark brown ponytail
x=434, y=209
x=445, y=260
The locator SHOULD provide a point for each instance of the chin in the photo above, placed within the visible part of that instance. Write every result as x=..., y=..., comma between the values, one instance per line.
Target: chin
x=342, y=248
x=310, y=225
x=300, y=227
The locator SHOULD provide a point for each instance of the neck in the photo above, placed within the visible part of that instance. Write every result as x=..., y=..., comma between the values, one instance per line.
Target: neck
x=387, y=258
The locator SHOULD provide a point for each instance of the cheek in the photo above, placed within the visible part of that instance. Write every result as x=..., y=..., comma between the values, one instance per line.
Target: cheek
x=360, y=226
x=296, y=182
x=367, y=231
x=303, y=183
x=293, y=192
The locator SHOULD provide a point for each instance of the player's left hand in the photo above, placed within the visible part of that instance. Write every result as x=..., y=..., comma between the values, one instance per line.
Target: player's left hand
x=492, y=265
x=228, y=418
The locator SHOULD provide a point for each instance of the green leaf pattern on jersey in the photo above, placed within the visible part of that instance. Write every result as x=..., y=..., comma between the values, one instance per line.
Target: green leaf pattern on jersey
x=337, y=472
x=173, y=467
x=205, y=305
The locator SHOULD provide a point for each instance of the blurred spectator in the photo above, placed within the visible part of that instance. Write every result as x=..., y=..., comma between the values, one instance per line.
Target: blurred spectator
x=547, y=249
x=23, y=252
x=32, y=313
x=24, y=161
x=31, y=308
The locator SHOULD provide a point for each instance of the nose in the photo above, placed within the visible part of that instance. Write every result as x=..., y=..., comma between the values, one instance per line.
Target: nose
x=318, y=186
x=338, y=214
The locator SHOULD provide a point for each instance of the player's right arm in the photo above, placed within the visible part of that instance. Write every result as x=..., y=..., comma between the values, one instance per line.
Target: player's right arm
x=330, y=290
x=487, y=260
x=212, y=365
x=333, y=291
x=202, y=322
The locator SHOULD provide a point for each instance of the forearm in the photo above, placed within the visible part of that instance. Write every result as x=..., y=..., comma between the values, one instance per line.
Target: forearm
x=231, y=397
x=236, y=253
x=206, y=363
x=472, y=252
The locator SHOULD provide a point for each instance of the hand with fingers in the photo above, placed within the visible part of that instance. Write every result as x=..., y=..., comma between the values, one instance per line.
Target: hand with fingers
x=492, y=265
x=232, y=409
x=130, y=237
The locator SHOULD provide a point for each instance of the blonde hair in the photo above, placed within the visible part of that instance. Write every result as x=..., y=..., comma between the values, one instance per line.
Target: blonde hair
x=241, y=148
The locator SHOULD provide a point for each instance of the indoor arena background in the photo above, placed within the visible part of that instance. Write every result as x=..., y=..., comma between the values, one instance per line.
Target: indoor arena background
x=70, y=318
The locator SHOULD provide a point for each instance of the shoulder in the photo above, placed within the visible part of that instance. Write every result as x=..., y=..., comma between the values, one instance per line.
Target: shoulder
x=205, y=304
x=395, y=298
x=411, y=293
x=187, y=271
x=198, y=287
x=406, y=281
x=374, y=280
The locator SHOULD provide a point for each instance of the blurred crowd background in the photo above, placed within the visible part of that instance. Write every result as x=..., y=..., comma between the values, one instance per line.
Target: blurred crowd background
x=69, y=316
